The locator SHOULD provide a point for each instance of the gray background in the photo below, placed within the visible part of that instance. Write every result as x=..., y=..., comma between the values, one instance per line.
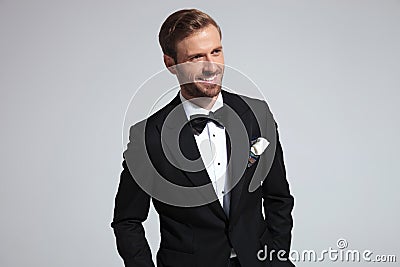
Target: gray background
x=329, y=70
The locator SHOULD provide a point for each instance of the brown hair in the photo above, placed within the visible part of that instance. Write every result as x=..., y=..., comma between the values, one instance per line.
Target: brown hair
x=180, y=25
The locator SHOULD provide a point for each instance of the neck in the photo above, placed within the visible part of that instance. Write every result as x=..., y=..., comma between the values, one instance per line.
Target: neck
x=204, y=102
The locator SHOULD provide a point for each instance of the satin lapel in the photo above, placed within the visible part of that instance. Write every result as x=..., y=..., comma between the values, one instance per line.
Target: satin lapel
x=188, y=147
x=240, y=108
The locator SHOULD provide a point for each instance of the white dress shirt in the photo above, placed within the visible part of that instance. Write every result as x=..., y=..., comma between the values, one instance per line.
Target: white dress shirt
x=212, y=147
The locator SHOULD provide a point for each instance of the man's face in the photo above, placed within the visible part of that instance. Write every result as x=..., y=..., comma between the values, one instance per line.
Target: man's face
x=200, y=63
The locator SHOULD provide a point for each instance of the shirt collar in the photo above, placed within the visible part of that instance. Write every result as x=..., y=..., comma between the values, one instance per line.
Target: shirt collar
x=191, y=108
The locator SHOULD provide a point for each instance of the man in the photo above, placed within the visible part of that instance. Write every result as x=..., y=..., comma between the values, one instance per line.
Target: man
x=209, y=215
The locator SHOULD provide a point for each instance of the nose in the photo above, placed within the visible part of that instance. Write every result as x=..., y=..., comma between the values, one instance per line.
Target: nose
x=209, y=66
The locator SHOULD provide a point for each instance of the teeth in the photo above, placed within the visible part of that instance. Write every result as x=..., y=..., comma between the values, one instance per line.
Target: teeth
x=208, y=79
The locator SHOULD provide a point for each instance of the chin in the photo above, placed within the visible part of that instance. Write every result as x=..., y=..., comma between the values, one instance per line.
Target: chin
x=202, y=89
x=209, y=90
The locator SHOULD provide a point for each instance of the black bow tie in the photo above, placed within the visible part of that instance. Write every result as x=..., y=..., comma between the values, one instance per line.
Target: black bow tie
x=199, y=121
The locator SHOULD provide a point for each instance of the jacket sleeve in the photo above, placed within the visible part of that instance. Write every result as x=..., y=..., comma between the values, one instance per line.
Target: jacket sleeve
x=131, y=209
x=278, y=205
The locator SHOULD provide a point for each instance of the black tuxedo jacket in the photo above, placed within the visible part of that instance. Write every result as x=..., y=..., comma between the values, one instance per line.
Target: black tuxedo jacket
x=203, y=235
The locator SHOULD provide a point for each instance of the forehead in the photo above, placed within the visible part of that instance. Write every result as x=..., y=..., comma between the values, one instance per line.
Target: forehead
x=202, y=41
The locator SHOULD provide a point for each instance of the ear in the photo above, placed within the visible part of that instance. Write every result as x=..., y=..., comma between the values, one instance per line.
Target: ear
x=170, y=64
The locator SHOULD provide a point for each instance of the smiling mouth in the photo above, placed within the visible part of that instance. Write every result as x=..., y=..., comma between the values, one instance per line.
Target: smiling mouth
x=208, y=79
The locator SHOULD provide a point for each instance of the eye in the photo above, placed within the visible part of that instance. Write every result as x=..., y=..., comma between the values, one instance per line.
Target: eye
x=196, y=57
x=217, y=51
